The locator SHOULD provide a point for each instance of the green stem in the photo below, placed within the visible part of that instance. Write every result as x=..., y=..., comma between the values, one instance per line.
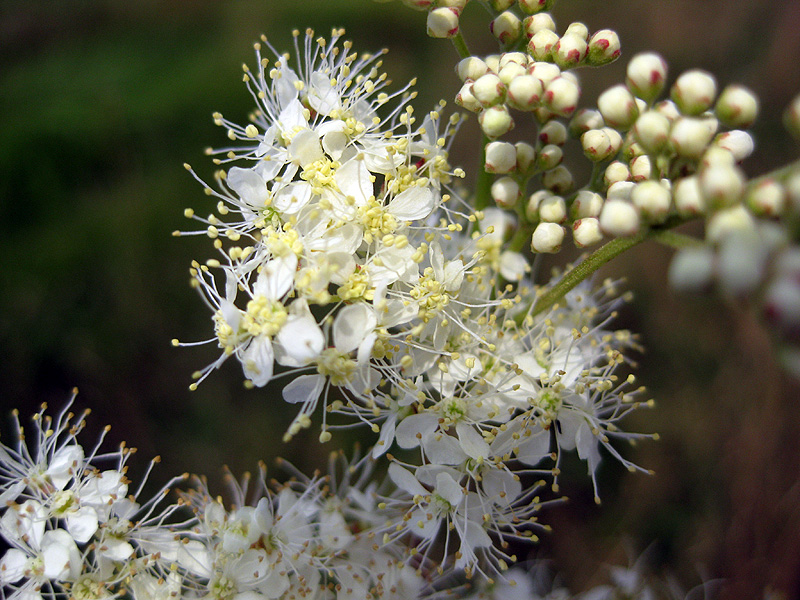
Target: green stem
x=676, y=240
x=483, y=186
x=460, y=45
x=588, y=266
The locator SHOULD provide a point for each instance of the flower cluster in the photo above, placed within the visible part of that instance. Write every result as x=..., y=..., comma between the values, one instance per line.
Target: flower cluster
x=348, y=259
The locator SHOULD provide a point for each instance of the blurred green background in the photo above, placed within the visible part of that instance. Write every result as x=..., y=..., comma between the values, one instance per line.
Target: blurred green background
x=102, y=101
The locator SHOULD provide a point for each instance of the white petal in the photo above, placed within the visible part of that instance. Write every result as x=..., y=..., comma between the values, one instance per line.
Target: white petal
x=408, y=428
x=472, y=441
x=291, y=198
x=82, y=524
x=304, y=388
x=354, y=180
x=449, y=489
x=406, y=481
x=248, y=185
x=257, y=361
x=305, y=148
x=351, y=326
x=513, y=266
x=412, y=204
x=301, y=339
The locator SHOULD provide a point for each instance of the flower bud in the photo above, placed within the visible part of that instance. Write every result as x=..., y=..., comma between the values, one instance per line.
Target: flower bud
x=570, y=51
x=525, y=92
x=620, y=190
x=526, y=155
x=737, y=106
x=688, y=197
x=495, y=121
x=618, y=107
x=492, y=62
x=549, y=157
x=541, y=44
x=586, y=232
x=545, y=71
x=691, y=269
x=517, y=58
x=690, y=137
x=604, y=48
x=646, y=75
x=721, y=185
x=470, y=68
x=597, y=145
x=767, y=198
x=532, y=207
x=727, y=222
x=619, y=218
x=459, y=4
x=443, y=22
x=553, y=132
x=547, y=237
x=652, y=131
x=536, y=23
x=489, y=90
x=791, y=118
x=740, y=262
x=511, y=71
x=739, y=143
x=584, y=120
x=535, y=6
x=586, y=204
x=506, y=28
x=553, y=209
x=561, y=96
x=782, y=302
x=616, y=171
x=505, y=192
x=501, y=157
x=465, y=99
x=558, y=180
x=694, y=91
x=641, y=168
x=652, y=199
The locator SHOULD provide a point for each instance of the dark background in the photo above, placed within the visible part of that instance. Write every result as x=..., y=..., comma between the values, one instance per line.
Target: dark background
x=102, y=101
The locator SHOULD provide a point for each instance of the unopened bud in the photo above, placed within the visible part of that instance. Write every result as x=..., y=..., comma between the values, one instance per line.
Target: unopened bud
x=616, y=171
x=470, y=68
x=526, y=155
x=443, y=22
x=618, y=107
x=545, y=71
x=597, y=145
x=604, y=48
x=694, y=91
x=534, y=201
x=553, y=132
x=691, y=269
x=465, y=99
x=495, y=121
x=418, y=4
x=740, y=262
x=767, y=198
x=652, y=131
x=506, y=28
x=669, y=109
x=652, y=199
x=688, y=197
x=619, y=218
x=586, y=232
x=737, y=106
x=721, y=185
x=535, y=23
x=641, y=168
x=782, y=302
x=730, y=221
x=586, y=204
x=549, y=157
x=547, y=238
x=511, y=71
x=525, y=92
x=553, y=209
x=542, y=43
x=690, y=137
x=584, y=120
x=558, y=180
x=570, y=51
x=534, y=6
x=646, y=75
x=459, y=4
x=501, y=157
x=489, y=90
x=505, y=192
x=791, y=118
x=561, y=96
x=517, y=58
x=492, y=62
x=739, y=143
x=620, y=190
